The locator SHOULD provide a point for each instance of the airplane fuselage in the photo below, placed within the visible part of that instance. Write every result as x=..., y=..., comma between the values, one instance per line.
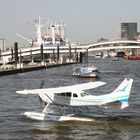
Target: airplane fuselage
x=81, y=99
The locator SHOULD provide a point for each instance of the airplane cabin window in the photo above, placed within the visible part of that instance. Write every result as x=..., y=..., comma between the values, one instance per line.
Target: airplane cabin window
x=75, y=95
x=68, y=94
x=61, y=94
x=65, y=94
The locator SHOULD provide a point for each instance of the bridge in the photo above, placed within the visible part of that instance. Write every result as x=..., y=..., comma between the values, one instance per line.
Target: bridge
x=102, y=46
x=114, y=45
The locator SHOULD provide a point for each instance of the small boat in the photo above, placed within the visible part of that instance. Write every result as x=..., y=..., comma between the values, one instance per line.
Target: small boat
x=98, y=55
x=115, y=58
x=89, y=71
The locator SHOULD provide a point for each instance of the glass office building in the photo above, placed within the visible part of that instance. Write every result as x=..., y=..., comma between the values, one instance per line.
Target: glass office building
x=129, y=31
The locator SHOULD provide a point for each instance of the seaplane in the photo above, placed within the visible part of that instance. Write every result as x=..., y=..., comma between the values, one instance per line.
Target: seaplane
x=76, y=96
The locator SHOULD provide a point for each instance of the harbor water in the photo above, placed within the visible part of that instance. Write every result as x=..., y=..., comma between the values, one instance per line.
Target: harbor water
x=111, y=124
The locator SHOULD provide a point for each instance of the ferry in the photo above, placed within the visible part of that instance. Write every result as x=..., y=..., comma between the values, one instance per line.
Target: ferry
x=133, y=57
x=86, y=71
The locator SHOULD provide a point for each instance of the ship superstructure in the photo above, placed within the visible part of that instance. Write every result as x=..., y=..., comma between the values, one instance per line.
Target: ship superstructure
x=54, y=36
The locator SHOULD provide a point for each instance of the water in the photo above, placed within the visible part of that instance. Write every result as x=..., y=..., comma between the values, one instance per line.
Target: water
x=119, y=125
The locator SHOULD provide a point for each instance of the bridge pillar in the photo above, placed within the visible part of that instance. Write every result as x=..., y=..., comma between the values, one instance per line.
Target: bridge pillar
x=76, y=55
x=69, y=53
x=86, y=56
x=16, y=52
x=53, y=55
x=20, y=65
x=20, y=58
x=12, y=54
x=81, y=57
x=57, y=53
x=31, y=54
x=42, y=54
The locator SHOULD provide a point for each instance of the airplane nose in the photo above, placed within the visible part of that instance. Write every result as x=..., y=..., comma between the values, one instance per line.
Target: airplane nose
x=22, y=92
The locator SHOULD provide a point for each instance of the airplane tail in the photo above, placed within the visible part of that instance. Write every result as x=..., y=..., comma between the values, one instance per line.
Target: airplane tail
x=124, y=87
x=120, y=95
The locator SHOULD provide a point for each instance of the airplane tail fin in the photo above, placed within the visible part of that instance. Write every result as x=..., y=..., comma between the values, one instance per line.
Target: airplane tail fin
x=124, y=90
x=120, y=95
x=124, y=87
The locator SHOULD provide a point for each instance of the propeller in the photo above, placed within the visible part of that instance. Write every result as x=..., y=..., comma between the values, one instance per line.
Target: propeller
x=42, y=84
x=40, y=100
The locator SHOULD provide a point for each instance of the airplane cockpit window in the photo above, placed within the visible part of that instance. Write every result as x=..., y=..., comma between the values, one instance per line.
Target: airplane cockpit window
x=84, y=94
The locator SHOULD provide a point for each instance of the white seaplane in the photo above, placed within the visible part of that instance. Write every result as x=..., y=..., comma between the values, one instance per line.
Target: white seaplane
x=75, y=96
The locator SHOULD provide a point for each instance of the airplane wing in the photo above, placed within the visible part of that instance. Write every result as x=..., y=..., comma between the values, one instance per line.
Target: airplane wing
x=85, y=86
x=77, y=87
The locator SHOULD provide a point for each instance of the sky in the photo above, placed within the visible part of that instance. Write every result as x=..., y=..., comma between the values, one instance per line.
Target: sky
x=86, y=20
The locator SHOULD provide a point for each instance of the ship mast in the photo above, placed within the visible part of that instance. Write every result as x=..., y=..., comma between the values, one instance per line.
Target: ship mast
x=38, y=29
x=53, y=34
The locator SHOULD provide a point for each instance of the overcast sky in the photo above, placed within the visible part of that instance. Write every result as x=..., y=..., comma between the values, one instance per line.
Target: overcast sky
x=86, y=20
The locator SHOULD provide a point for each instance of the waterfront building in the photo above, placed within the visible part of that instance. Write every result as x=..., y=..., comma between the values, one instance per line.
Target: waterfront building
x=129, y=31
x=2, y=44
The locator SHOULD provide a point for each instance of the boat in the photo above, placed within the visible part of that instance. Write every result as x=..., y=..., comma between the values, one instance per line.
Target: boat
x=133, y=57
x=98, y=55
x=86, y=71
x=115, y=58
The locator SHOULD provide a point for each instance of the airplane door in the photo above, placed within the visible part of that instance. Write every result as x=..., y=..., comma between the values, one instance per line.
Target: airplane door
x=68, y=97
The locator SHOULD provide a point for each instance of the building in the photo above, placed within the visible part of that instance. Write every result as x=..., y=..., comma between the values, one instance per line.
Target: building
x=102, y=40
x=129, y=31
x=2, y=44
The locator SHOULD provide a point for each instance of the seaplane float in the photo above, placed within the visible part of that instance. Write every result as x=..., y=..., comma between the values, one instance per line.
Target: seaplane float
x=75, y=96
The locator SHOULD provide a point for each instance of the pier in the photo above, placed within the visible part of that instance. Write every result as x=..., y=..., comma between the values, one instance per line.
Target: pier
x=18, y=63
x=28, y=68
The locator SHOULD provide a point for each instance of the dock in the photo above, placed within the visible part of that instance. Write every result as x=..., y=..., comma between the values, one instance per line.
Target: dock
x=18, y=63
x=28, y=68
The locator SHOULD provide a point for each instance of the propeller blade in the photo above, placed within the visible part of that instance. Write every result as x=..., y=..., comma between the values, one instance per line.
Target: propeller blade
x=42, y=84
x=40, y=100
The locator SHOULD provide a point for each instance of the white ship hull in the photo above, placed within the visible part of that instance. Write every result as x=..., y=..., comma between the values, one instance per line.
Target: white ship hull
x=89, y=72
